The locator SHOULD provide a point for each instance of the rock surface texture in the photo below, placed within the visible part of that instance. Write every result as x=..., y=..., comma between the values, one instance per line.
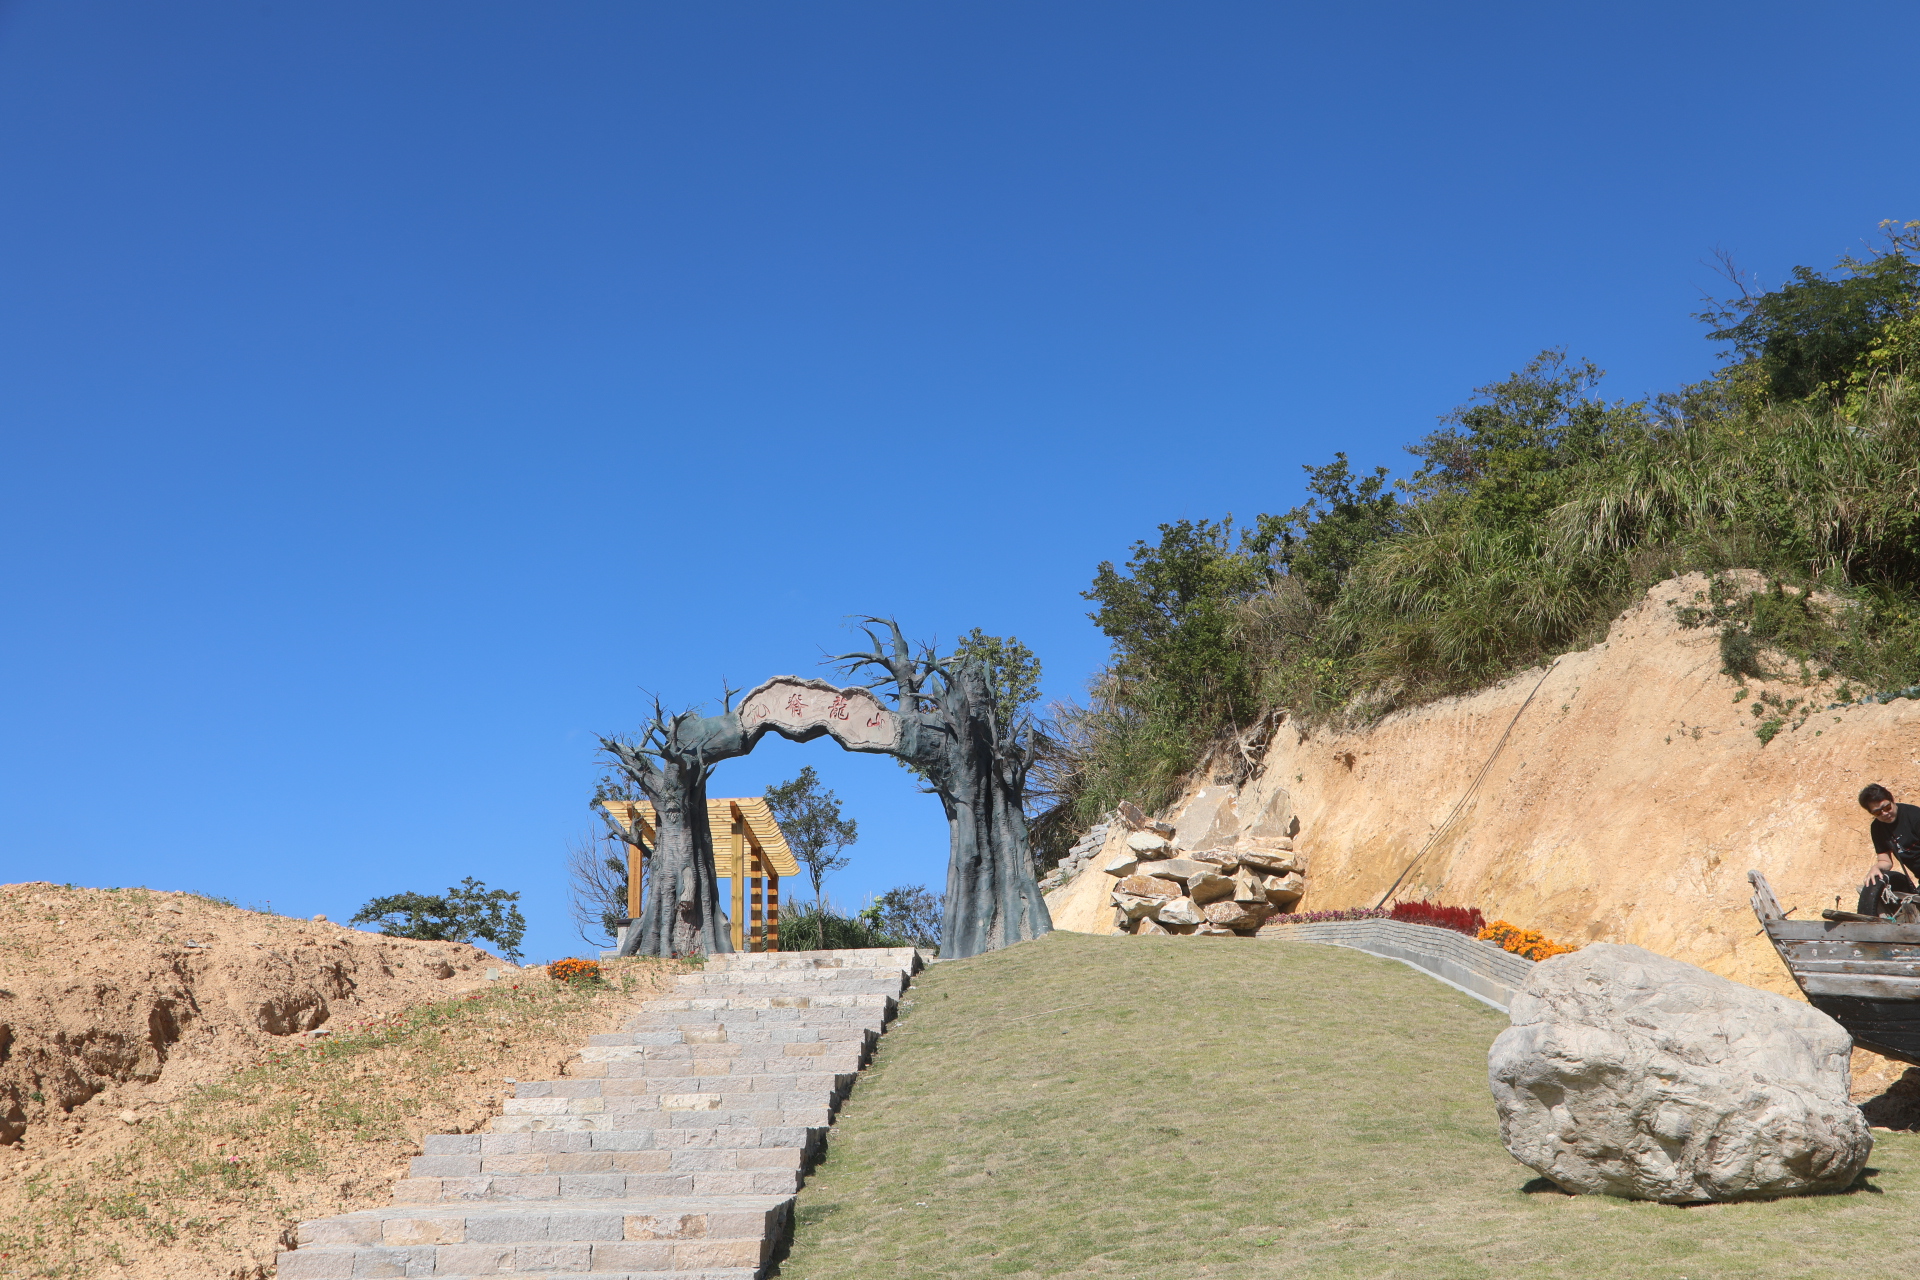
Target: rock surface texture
x=673, y=1149
x=1628, y=1073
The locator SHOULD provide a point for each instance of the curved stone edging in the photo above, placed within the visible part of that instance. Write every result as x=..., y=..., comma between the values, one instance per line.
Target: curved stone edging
x=1480, y=969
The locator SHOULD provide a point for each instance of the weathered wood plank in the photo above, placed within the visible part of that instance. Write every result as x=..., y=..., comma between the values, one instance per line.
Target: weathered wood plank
x=1765, y=905
x=1850, y=946
x=1825, y=931
x=1860, y=986
x=1881, y=968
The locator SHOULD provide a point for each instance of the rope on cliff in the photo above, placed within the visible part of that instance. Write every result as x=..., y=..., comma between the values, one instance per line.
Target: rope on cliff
x=1471, y=788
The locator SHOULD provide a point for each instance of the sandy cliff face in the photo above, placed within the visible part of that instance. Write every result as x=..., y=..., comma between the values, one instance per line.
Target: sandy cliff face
x=1626, y=806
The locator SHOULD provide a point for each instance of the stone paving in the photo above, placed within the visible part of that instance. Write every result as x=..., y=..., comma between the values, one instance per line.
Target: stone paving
x=672, y=1148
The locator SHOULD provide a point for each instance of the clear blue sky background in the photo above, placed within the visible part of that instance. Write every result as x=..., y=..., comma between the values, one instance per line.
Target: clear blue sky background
x=391, y=392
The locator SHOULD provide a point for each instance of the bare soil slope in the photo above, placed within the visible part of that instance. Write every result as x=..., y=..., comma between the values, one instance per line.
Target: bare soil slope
x=1627, y=806
x=116, y=999
x=181, y=1080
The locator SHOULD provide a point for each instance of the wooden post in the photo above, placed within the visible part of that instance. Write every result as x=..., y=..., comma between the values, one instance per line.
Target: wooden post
x=757, y=904
x=739, y=886
x=637, y=860
x=773, y=909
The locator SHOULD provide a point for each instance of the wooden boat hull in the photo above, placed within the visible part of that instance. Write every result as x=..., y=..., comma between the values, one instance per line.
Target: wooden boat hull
x=1890, y=1028
x=1865, y=976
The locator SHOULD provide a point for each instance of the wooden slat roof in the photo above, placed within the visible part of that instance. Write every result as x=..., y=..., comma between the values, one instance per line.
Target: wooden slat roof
x=763, y=833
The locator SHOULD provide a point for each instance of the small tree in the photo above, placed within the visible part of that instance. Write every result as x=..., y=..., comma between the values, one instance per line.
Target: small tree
x=908, y=912
x=467, y=911
x=815, y=831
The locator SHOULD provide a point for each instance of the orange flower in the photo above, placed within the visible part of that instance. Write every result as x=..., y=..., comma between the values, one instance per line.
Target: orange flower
x=1522, y=942
x=574, y=971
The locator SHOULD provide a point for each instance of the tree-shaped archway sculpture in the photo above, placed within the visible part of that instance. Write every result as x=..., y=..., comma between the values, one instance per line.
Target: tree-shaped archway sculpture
x=944, y=721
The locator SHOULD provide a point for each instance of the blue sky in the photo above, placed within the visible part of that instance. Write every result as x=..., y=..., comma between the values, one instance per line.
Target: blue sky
x=391, y=393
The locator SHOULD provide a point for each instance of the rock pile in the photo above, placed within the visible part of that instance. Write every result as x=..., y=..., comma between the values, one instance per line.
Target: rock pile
x=1161, y=888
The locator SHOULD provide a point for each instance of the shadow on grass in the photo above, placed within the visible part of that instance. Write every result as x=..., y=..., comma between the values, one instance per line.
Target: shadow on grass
x=1546, y=1186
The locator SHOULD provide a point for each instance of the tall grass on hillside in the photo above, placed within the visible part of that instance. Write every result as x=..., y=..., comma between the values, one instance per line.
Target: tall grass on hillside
x=1540, y=510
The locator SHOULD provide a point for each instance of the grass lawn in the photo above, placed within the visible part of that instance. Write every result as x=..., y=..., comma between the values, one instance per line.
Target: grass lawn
x=1181, y=1107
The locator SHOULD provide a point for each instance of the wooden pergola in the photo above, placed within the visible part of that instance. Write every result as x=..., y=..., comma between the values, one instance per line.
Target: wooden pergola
x=749, y=851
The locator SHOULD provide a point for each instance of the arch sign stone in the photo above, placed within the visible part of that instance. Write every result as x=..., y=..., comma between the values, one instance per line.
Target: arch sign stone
x=806, y=709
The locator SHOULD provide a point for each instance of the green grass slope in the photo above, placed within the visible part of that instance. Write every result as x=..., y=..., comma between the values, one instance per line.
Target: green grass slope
x=1186, y=1107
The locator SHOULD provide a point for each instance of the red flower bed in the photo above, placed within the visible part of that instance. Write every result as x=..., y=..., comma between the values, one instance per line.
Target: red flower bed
x=1467, y=920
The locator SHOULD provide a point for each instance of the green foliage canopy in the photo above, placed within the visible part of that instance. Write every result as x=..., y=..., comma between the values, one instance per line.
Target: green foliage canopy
x=1807, y=337
x=466, y=912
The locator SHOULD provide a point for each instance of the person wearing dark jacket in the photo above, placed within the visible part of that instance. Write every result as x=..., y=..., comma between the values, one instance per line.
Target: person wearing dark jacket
x=1895, y=832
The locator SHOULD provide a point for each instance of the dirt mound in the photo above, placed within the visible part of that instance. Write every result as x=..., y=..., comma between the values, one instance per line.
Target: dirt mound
x=183, y=1080
x=114, y=1000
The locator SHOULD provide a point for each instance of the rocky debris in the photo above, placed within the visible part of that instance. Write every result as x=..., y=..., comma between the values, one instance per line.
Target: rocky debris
x=1284, y=891
x=1207, y=887
x=1179, y=911
x=1241, y=917
x=1272, y=860
x=1210, y=820
x=1084, y=851
x=1627, y=1073
x=1181, y=869
x=1150, y=887
x=1161, y=886
x=1274, y=824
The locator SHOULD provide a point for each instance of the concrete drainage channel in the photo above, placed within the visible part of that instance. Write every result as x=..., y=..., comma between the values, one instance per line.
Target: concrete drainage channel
x=1480, y=969
x=673, y=1148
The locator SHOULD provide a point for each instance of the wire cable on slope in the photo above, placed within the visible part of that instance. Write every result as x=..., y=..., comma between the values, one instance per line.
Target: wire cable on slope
x=1468, y=794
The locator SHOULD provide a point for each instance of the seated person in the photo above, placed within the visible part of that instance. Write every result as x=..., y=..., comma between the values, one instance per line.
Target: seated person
x=1895, y=833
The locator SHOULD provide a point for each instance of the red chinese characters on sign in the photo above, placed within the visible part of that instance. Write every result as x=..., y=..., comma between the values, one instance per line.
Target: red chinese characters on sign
x=874, y=723
x=796, y=707
x=838, y=710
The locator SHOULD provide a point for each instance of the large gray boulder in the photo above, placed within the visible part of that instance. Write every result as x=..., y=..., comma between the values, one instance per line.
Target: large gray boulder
x=1626, y=1073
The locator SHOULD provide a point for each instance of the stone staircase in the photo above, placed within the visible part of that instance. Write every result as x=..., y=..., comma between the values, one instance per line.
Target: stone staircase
x=672, y=1148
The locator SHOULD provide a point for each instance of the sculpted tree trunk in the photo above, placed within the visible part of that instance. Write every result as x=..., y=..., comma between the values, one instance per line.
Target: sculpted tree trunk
x=671, y=762
x=950, y=728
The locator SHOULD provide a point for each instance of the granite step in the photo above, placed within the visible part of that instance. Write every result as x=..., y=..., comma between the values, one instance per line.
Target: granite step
x=670, y=1234
x=612, y=1145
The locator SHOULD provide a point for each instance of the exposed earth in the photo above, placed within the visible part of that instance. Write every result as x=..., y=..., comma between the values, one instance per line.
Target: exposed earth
x=181, y=1080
